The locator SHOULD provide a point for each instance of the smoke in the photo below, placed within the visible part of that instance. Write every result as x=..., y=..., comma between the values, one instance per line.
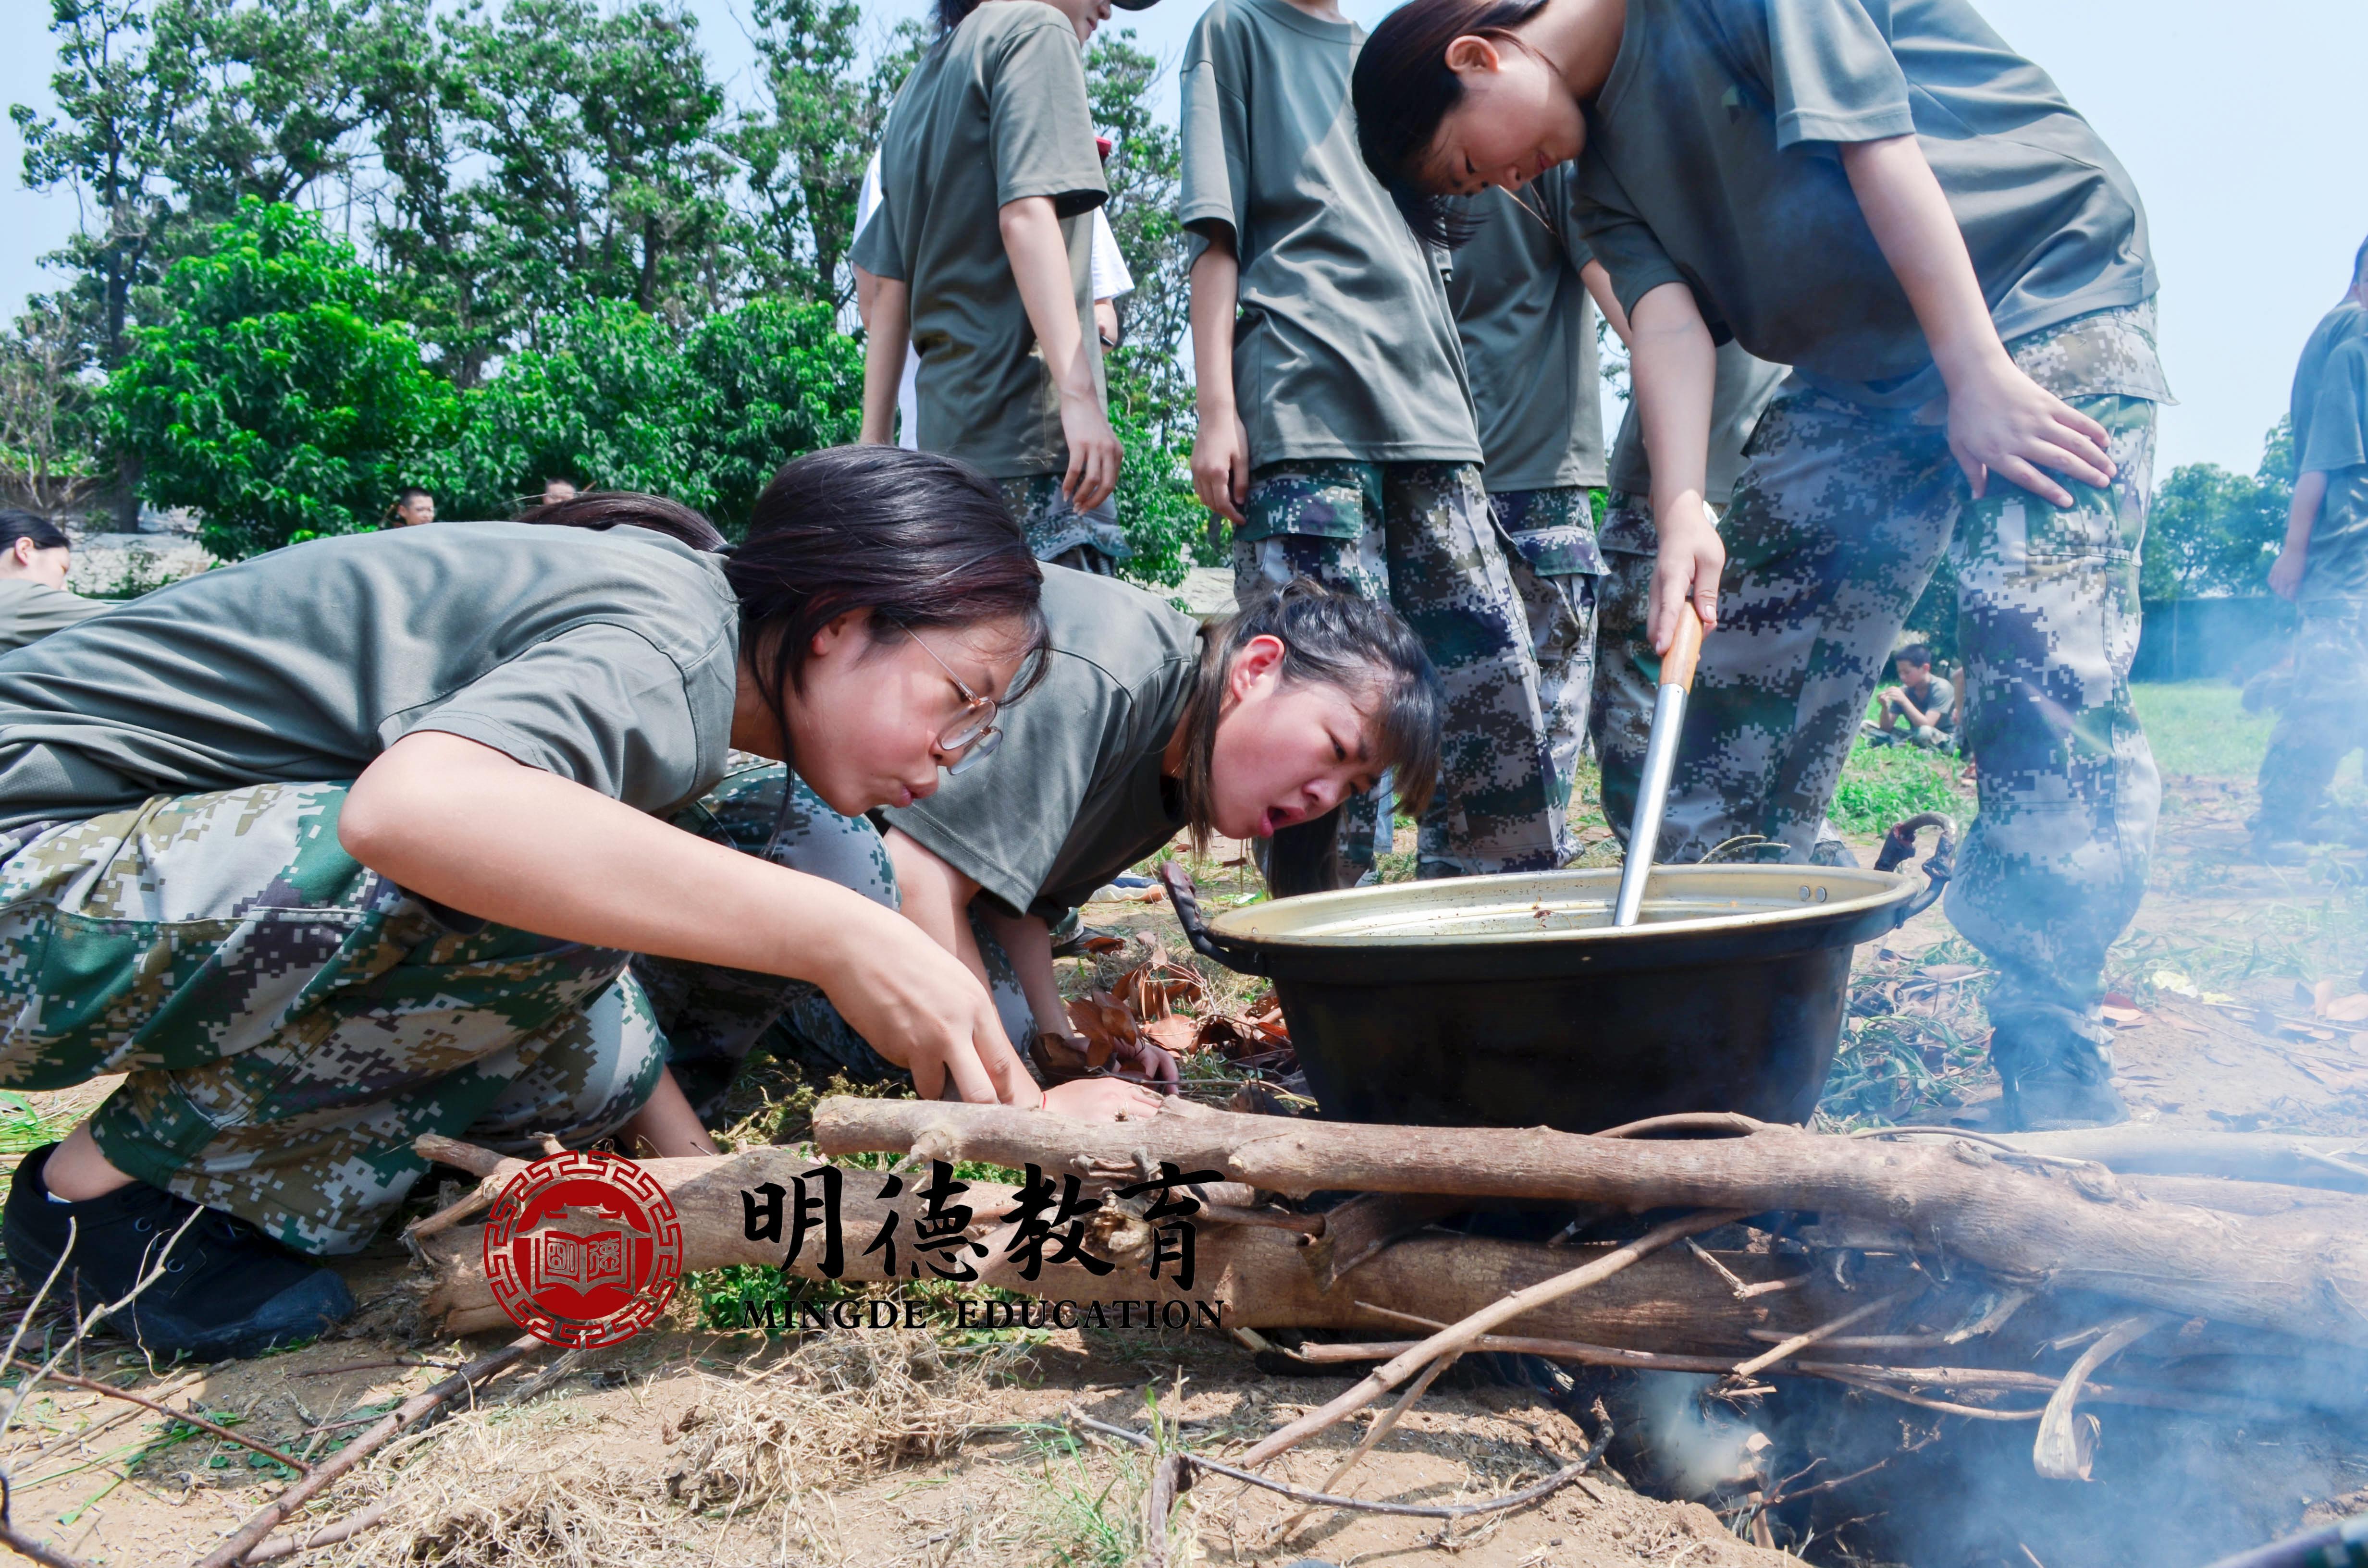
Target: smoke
x=1695, y=1448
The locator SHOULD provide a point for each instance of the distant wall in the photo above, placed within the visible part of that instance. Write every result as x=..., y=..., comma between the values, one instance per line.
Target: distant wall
x=2229, y=638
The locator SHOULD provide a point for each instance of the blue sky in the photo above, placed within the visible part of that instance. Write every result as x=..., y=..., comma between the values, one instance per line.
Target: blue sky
x=2243, y=126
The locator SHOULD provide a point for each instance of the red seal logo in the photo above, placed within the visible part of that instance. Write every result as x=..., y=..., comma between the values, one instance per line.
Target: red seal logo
x=583, y=1250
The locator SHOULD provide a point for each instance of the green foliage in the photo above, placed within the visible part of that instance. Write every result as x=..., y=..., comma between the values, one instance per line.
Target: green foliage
x=2200, y=729
x=1163, y=520
x=618, y=399
x=274, y=394
x=1880, y=785
x=2212, y=531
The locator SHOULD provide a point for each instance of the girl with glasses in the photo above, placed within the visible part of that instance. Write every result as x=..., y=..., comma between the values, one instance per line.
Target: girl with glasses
x=352, y=841
x=1141, y=726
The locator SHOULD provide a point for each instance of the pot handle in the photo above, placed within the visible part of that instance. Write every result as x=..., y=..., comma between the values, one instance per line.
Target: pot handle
x=1187, y=900
x=1899, y=848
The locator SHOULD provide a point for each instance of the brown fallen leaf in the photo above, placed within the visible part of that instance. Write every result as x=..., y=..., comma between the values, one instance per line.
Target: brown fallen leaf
x=1099, y=944
x=2349, y=1009
x=1173, y=1034
x=1105, y=1024
x=2125, y=1017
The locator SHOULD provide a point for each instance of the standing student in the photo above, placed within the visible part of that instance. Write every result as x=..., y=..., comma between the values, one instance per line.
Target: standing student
x=1893, y=201
x=1335, y=431
x=980, y=256
x=342, y=845
x=413, y=508
x=1528, y=331
x=34, y=557
x=1107, y=280
x=2324, y=569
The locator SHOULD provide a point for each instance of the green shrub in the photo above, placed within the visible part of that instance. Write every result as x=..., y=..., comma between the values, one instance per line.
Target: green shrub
x=1881, y=785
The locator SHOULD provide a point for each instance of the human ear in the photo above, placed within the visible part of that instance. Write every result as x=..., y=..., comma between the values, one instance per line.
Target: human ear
x=1471, y=54
x=1258, y=658
x=834, y=634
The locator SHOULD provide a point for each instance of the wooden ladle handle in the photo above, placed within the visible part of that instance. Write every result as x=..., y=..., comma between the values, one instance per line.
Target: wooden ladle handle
x=1685, y=649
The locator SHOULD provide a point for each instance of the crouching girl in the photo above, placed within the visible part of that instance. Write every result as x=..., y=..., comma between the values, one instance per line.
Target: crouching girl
x=1143, y=727
x=351, y=842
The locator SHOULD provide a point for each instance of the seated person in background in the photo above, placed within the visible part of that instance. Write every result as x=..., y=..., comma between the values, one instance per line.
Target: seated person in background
x=34, y=555
x=1922, y=703
x=554, y=491
x=413, y=506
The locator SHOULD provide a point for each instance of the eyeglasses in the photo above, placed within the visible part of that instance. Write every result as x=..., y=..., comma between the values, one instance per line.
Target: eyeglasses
x=973, y=735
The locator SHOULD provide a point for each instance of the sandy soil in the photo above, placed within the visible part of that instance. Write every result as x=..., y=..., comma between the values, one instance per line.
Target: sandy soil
x=687, y=1446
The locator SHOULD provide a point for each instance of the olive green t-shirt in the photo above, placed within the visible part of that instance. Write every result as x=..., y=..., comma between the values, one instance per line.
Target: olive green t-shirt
x=2334, y=329
x=30, y=611
x=605, y=658
x=2337, y=565
x=1713, y=160
x=995, y=112
x=1075, y=795
x=1344, y=346
x=1528, y=329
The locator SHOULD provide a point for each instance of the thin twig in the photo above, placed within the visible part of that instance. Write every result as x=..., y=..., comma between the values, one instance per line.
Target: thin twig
x=1946, y=1407
x=1553, y=1483
x=378, y=1366
x=98, y=1315
x=1381, y=1429
x=24, y=1545
x=1460, y=1338
x=1733, y=1282
x=187, y=1416
x=1839, y=1480
x=74, y=1227
x=85, y=1433
x=2059, y=1453
x=1801, y=1341
x=267, y=1519
x=288, y=1545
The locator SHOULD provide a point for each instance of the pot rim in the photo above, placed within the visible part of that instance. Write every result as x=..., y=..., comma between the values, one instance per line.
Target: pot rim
x=1319, y=922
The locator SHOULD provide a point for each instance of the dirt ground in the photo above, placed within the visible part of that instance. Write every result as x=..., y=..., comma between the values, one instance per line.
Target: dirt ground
x=901, y=1446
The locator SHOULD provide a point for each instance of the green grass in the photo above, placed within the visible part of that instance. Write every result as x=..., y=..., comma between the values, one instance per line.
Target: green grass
x=23, y=1129
x=1881, y=785
x=2200, y=728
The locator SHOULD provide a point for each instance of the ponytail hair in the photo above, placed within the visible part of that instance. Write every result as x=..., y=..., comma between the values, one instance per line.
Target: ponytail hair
x=1403, y=88
x=1332, y=639
x=604, y=509
x=15, y=523
x=951, y=14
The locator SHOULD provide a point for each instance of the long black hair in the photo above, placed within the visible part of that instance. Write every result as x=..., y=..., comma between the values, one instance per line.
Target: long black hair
x=1403, y=88
x=15, y=523
x=1332, y=639
x=919, y=540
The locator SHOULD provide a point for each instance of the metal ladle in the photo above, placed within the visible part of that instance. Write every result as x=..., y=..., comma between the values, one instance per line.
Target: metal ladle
x=1660, y=761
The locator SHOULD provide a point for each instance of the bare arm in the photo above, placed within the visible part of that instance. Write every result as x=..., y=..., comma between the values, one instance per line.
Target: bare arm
x=1607, y=300
x=888, y=334
x=667, y=1127
x=2302, y=516
x=465, y=825
x=936, y=897
x=2000, y=419
x=1221, y=450
x=1039, y=266
x=1675, y=368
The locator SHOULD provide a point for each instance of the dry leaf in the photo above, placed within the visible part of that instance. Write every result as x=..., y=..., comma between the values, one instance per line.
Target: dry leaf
x=2349, y=1009
x=2126, y=1017
x=1174, y=1035
x=1105, y=1024
x=1100, y=943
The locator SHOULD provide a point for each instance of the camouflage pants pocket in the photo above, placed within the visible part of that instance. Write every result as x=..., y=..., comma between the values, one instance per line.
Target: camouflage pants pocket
x=1058, y=532
x=289, y=1020
x=713, y=1018
x=1551, y=547
x=1627, y=672
x=2324, y=719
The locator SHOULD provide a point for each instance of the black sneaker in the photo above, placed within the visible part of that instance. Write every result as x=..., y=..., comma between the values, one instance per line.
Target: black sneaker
x=2055, y=1075
x=227, y=1290
x=2271, y=850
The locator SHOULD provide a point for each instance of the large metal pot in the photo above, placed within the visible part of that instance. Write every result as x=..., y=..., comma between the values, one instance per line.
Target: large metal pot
x=1513, y=1001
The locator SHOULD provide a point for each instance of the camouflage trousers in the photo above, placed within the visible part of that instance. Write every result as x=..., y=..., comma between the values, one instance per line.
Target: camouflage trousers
x=1419, y=536
x=1555, y=566
x=1058, y=532
x=713, y=1018
x=1837, y=523
x=2325, y=719
x=289, y=1021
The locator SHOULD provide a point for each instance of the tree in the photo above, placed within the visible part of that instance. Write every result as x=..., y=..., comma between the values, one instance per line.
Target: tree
x=274, y=394
x=2214, y=532
x=766, y=383
x=48, y=435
